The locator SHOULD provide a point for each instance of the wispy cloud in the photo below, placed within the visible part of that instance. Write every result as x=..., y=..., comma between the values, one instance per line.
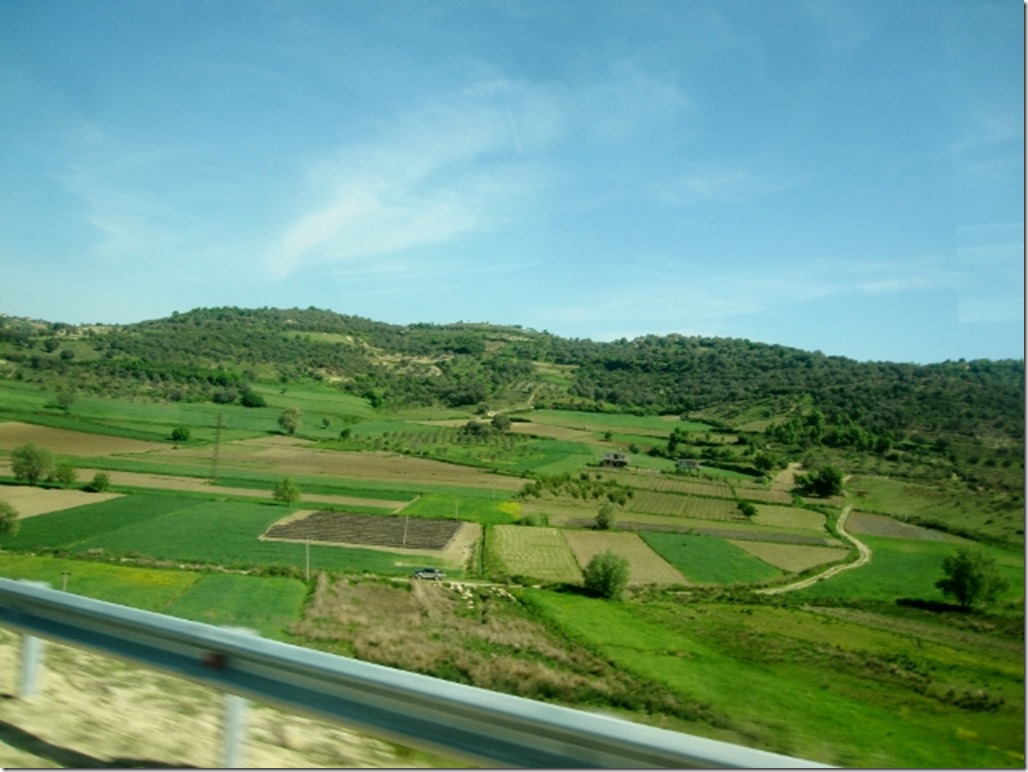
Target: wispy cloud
x=440, y=171
x=723, y=183
x=463, y=162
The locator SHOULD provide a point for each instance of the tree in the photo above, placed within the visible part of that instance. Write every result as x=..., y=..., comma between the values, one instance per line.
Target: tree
x=747, y=508
x=65, y=474
x=250, y=398
x=605, y=517
x=501, y=422
x=180, y=434
x=286, y=491
x=8, y=519
x=824, y=482
x=972, y=577
x=606, y=575
x=31, y=463
x=289, y=421
x=101, y=482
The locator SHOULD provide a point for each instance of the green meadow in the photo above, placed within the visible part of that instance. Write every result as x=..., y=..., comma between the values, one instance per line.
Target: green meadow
x=188, y=530
x=709, y=559
x=800, y=684
x=264, y=604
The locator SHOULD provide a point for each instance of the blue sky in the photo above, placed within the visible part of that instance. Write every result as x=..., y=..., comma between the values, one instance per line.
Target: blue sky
x=837, y=176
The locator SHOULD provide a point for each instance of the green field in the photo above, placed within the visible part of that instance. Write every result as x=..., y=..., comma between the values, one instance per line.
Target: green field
x=187, y=530
x=265, y=604
x=709, y=559
x=797, y=683
x=903, y=568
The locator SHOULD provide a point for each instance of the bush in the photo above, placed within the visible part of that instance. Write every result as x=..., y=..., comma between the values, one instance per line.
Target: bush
x=8, y=519
x=607, y=575
x=31, y=463
x=605, y=517
x=251, y=398
x=101, y=482
x=289, y=421
x=64, y=474
x=180, y=434
x=747, y=508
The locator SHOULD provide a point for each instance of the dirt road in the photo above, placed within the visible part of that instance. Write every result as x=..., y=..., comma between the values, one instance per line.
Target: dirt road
x=862, y=559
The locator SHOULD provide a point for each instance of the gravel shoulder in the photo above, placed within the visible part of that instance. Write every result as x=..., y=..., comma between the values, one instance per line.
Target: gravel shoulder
x=97, y=712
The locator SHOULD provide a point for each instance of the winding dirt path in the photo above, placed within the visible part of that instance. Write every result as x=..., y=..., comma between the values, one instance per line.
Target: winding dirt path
x=862, y=559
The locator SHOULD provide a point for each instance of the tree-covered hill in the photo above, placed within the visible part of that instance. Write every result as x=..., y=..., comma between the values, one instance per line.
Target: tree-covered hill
x=807, y=397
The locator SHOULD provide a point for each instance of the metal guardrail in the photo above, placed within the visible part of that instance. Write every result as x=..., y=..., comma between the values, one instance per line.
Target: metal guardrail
x=411, y=709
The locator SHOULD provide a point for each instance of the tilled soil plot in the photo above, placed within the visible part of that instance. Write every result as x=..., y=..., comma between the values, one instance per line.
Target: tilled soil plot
x=401, y=532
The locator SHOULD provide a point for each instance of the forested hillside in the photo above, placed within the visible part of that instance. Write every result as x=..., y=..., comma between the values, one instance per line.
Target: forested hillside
x=796, y=397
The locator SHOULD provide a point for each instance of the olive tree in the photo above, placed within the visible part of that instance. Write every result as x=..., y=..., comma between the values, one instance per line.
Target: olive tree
x=31, y=463
x=972, y=577
x=606, y=575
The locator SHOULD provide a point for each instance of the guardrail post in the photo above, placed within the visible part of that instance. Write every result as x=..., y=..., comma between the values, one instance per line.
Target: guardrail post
x=235, y=731
x=31, y=660
x=236, y=710
x=32, y=650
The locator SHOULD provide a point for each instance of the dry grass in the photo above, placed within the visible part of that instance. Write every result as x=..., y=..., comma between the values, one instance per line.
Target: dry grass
x=29, y=501
x=298, y=458
x=645, y=565
x=791, y=557
x=471, y=634
x=789, y=517
x=882, y=525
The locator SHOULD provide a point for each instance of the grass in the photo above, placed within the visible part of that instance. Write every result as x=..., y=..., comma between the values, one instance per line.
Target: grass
x=264, y=604
x=789, y=681
x=905, y=568
x=478, y=509
x=708, y=559
x=146, y=588
x=652, y=426
x=540, y=553
x=189, y=530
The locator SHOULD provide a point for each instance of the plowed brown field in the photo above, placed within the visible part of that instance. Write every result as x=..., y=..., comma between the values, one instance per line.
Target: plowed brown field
x=63, y=441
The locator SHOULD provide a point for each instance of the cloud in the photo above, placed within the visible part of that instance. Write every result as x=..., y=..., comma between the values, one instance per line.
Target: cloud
x=465, y=162
x=722, y=183
x=440, y=171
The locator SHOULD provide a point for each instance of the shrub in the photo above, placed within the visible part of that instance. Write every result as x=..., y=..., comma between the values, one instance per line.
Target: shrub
x=8, y=519
x=251, y=398
x=289, y=421
x=101, y=482
x=180, y=434
x=747, y=508
x=64, y=474
x=605, y=517
x=607, y=575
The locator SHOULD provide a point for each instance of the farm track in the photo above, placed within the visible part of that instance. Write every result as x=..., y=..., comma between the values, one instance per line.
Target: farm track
x=862, y=559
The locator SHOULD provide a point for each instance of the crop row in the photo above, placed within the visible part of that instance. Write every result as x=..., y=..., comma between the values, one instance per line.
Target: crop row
x=402, y=532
